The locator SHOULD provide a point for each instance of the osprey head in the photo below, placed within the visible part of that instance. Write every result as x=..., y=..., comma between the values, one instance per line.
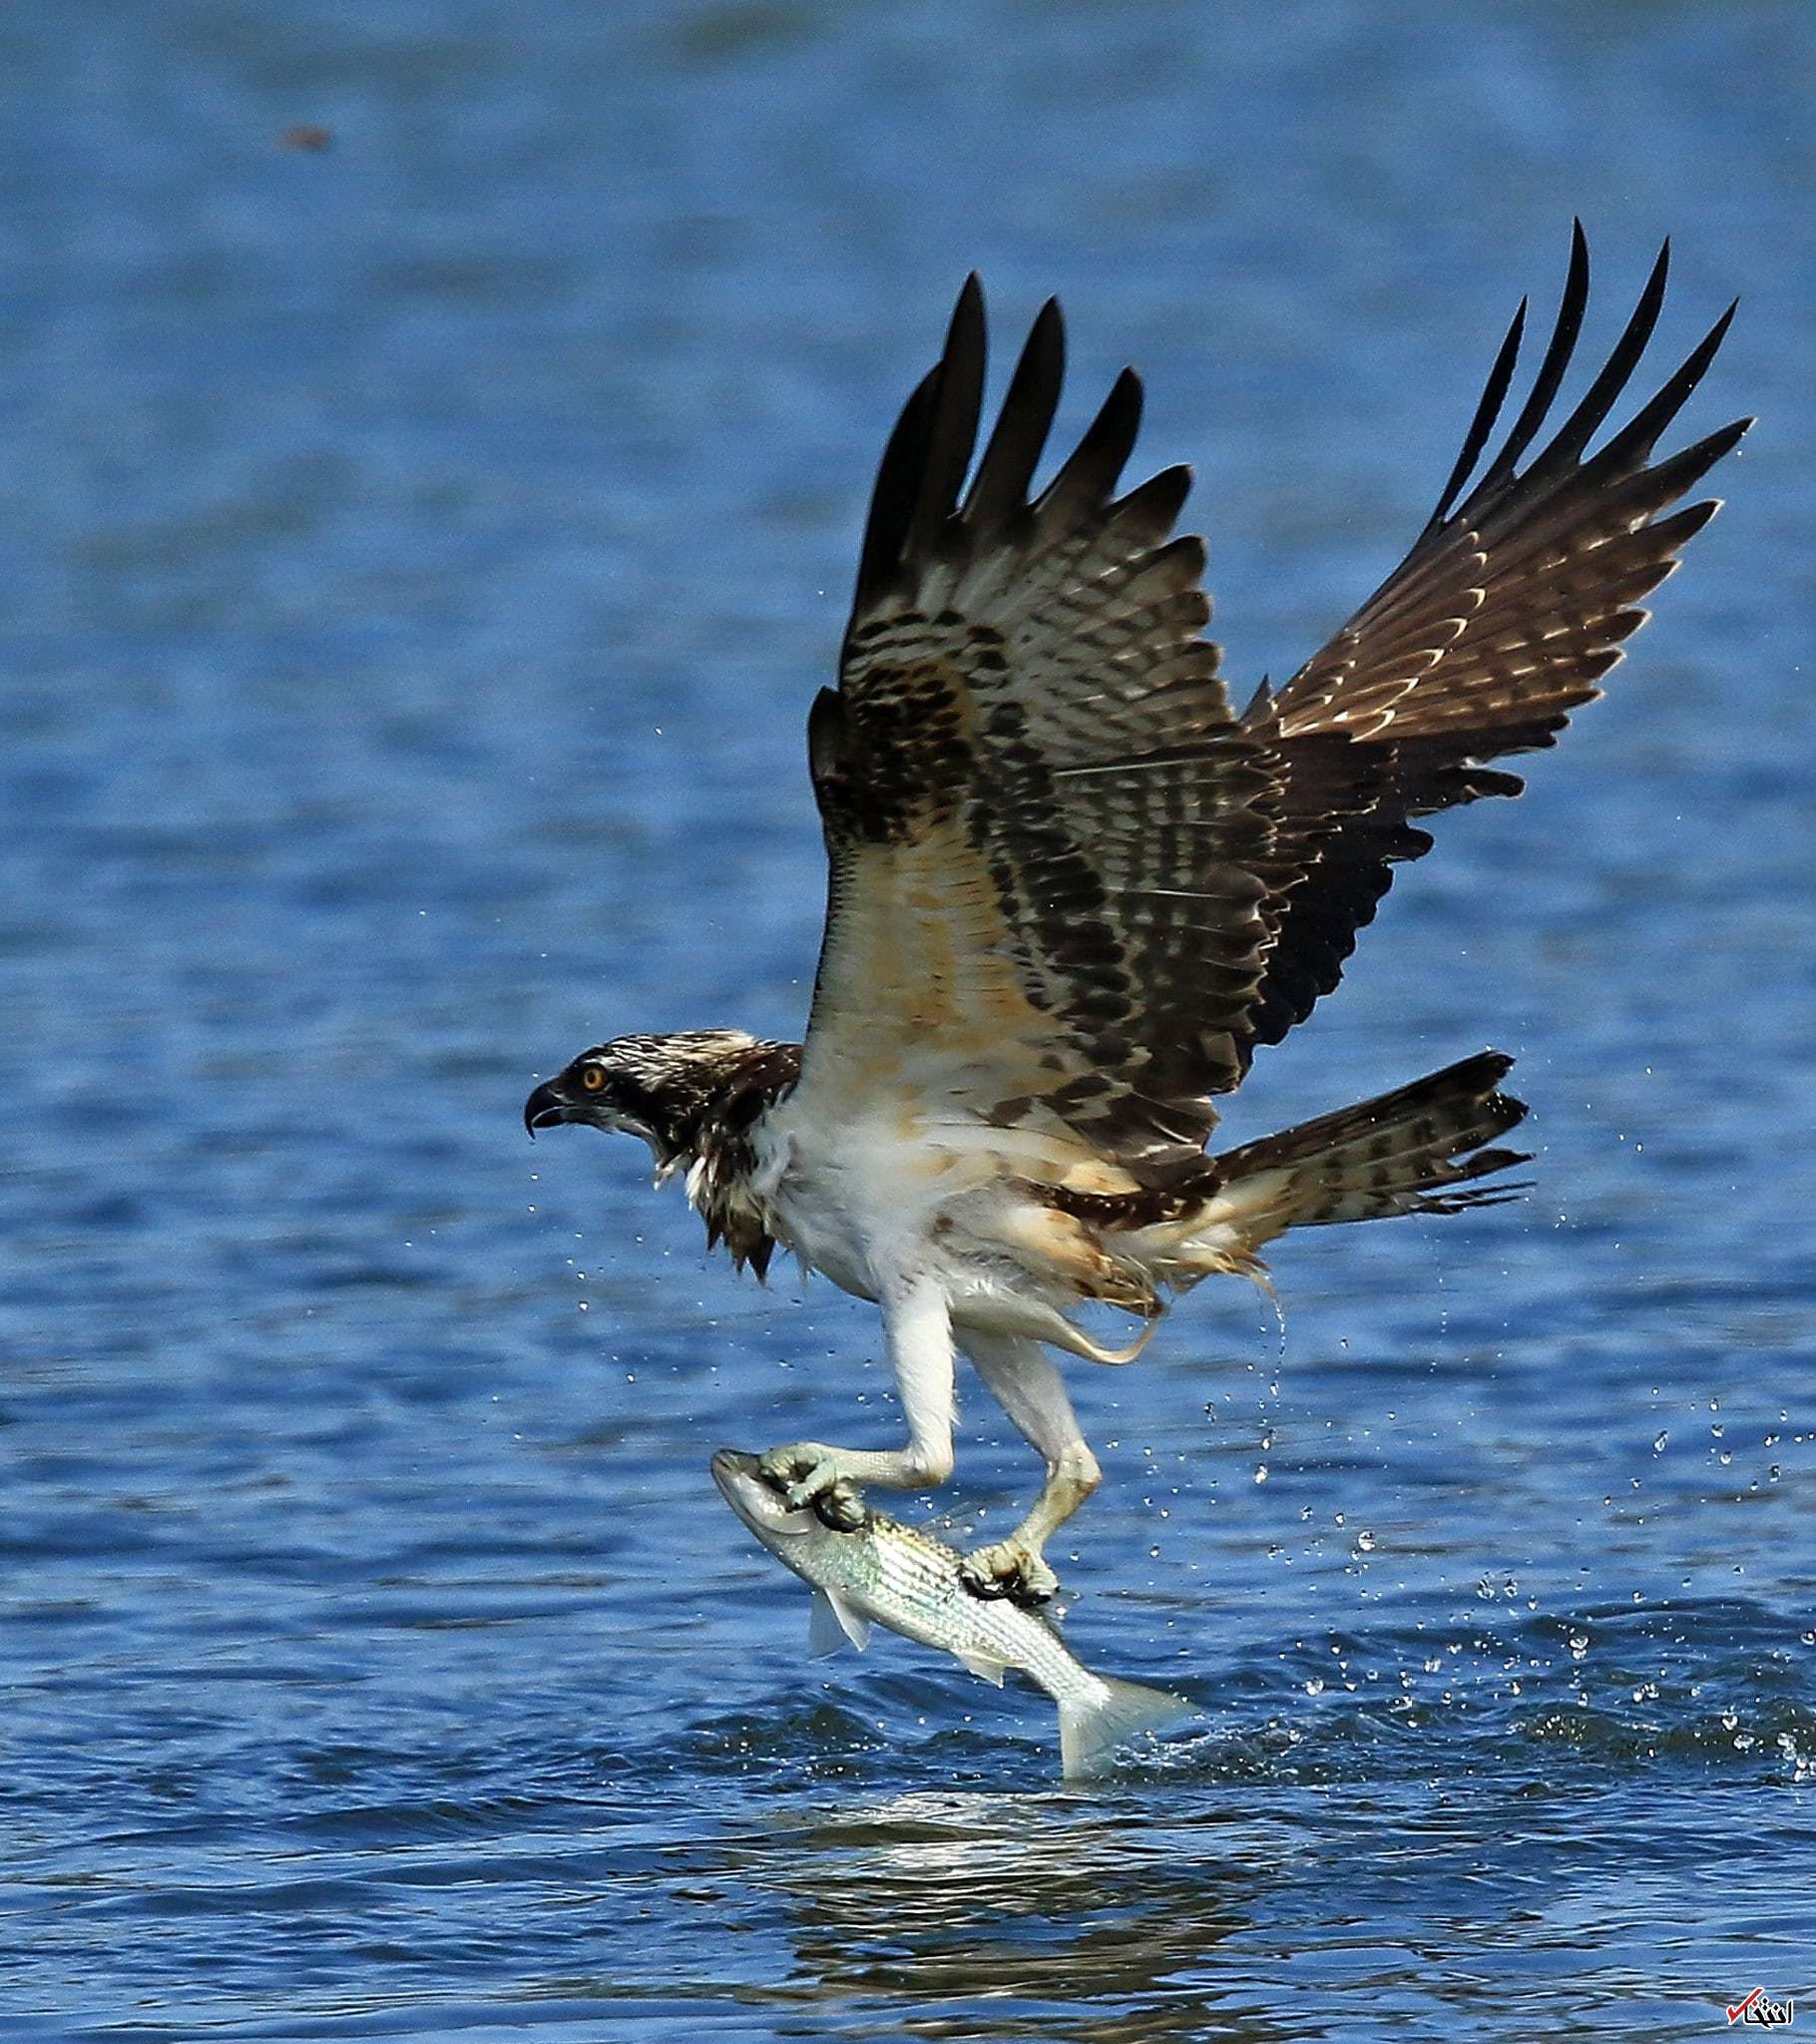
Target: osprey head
x=655, y=1087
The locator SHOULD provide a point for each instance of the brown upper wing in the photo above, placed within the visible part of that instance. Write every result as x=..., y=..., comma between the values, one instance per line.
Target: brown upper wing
x=1070, y=891
x=1042, y=820
x=1500, y=621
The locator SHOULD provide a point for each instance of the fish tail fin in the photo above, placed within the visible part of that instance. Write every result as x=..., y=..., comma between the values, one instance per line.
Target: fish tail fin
x=1091, y=1728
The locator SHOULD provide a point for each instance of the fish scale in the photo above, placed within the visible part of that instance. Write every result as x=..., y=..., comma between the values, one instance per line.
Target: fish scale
x=879, y=1571
x=911, y=1580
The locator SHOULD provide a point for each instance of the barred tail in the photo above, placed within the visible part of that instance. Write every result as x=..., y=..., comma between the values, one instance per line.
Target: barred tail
x=1415, y=1150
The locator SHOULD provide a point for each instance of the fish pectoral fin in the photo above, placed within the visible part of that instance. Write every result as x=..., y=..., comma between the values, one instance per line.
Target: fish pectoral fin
x=985, y=1665
x=835, y=1624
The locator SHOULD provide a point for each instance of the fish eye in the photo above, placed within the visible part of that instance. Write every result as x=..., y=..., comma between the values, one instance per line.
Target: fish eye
x=593, y=1078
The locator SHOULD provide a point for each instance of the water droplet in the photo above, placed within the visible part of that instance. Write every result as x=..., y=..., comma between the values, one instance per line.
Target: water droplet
x=1315, y=1685
x=1579, y=1643
x=1366, y=1542
x=1261, y=1472
x=1658, y=1445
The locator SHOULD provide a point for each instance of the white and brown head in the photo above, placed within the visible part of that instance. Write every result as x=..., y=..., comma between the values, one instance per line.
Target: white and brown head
x=660, y=1088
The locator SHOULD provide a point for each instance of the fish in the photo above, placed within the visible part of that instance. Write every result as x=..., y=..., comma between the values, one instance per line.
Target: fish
x=875, y=1570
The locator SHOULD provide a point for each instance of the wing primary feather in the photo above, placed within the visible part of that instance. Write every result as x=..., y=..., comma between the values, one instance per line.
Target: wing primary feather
x=1557, y=352
x=1020, y=436
x=896, y=491
x=952, y=429
x=1089, y=474
x=1574, y=435
x=1675, y=532
x=1636, y=438
x=1493, y=395
x=1645, y=490
x=1159, y=501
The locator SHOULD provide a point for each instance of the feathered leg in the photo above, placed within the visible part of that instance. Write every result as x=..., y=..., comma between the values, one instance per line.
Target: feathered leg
x=917, y=1326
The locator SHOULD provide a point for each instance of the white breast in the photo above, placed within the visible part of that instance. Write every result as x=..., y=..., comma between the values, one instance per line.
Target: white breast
x=861, y=1202
x=878, y=1201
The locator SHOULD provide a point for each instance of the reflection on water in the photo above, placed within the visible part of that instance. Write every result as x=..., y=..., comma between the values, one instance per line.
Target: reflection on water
x=1011, y=1903
x=1151, y=1908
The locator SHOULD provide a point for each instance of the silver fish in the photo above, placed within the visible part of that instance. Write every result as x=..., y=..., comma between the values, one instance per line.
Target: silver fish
x=880, y=1569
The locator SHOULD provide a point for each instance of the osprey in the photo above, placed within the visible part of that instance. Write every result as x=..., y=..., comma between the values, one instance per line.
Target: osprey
x=1073, y=889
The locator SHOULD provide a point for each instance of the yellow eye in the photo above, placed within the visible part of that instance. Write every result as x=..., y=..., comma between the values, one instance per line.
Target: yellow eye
x=593, y=1078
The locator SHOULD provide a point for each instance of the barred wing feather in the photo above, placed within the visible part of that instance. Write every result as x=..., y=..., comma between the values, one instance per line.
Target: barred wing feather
x=1511, y=605
x=1071, y=891
x=1041, y=816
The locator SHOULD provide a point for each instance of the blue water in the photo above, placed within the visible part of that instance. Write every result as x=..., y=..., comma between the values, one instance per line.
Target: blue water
x=418, y=557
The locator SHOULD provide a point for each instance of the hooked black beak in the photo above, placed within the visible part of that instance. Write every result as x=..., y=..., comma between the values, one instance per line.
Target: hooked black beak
x=545, y=1107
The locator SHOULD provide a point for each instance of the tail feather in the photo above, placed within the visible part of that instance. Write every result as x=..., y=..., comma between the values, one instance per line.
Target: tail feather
x=1092, y=1730
x=1417, y=1150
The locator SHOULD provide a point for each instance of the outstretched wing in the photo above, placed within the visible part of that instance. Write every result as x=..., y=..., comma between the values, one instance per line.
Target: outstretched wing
x=1041, y=816
x=1500, y=621
x=1070, y=891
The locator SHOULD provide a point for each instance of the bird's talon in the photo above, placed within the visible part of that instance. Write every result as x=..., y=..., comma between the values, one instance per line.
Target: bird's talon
x=841, y=1506
x=986, y=1589
x=794, y=1469
x=808, y=1478
x=811, y=1487
x=1009, y=1570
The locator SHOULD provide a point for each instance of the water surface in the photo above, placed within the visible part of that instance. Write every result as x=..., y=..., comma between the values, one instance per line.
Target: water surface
x=420, y=554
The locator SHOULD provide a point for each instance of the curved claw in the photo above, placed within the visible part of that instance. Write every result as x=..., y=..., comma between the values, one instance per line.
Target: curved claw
x=800, y=1471
x=1009, y=1570
x=816, y=1484
x=807, y=1475
x=986, y=1589
x=841, y=1506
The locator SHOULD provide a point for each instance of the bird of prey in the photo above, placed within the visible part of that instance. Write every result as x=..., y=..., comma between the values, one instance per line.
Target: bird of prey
x=1073, y=888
